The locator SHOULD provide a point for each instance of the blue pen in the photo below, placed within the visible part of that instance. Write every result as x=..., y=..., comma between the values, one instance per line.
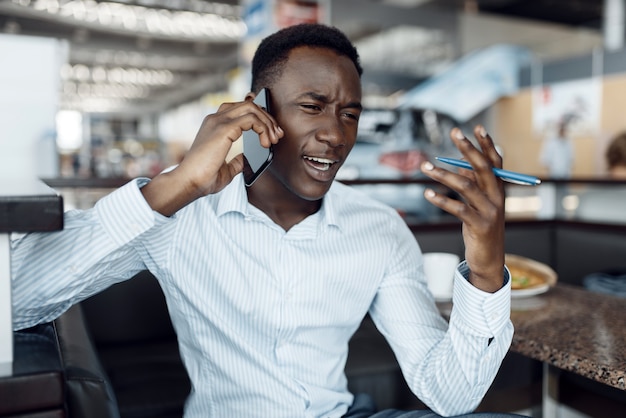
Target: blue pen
x=510, y=176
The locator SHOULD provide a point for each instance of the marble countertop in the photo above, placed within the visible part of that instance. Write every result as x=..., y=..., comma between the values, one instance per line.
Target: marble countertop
x=575, y=330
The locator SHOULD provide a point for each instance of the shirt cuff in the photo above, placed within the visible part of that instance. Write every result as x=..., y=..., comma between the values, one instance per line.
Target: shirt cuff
x=482, y=313
x=124, y=214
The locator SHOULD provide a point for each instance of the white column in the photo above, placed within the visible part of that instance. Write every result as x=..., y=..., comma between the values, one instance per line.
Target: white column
x=550, y=393
x=613, y=24
x=6, y=327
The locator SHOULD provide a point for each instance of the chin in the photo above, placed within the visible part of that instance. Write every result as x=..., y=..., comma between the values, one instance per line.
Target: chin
x=311, y=192
x=302, y=185
x=313, y=196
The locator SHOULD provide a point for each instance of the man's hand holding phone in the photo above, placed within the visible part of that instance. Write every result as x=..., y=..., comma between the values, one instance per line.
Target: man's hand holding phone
x=204, y=169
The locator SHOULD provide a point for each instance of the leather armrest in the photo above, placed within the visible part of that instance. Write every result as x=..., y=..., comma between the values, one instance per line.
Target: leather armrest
x=36, y=382
x=89, y=393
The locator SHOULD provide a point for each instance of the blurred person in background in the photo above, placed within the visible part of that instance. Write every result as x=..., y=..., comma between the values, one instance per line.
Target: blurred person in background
x=557, y=154
x=606, y=203
x=615, y=157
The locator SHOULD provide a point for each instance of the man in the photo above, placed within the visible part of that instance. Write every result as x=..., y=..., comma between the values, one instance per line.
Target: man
x=266, y=284
x=557, y=154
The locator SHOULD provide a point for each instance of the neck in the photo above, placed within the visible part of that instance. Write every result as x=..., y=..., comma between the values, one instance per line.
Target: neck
x=285, y=208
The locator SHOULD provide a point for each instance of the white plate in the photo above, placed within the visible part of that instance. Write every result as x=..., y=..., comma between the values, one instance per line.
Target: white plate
x=523, y=293
x=548, y=274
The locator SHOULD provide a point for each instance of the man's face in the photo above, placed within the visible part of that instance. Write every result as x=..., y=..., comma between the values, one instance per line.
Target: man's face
x=317, y=102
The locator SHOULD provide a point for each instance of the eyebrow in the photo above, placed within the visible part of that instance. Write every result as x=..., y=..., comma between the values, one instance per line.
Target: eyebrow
x=324, y=98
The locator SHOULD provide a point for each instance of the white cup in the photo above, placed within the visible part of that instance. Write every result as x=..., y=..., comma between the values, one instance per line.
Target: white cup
x=440, y=269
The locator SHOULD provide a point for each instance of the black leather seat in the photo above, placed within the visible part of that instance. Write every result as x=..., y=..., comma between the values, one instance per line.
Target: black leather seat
x=35, y=385
x=88, y=391
x=137, y=345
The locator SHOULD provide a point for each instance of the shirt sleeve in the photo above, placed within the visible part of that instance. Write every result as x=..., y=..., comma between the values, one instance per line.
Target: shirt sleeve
x=52, y=271
x=449, y=366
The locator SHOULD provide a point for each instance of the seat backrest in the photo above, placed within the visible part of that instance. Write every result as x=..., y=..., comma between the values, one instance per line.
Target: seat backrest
x=131, y=311
x=89, y=391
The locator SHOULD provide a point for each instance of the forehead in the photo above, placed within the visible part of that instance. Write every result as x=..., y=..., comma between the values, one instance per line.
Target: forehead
x=318, y=68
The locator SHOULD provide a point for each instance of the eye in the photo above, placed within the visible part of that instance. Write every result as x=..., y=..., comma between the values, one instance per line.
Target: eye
x=311, y=107
x=352, y=115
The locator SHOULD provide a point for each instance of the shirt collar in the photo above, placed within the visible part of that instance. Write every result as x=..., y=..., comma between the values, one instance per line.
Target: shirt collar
x=235, y=199
x=329, y=207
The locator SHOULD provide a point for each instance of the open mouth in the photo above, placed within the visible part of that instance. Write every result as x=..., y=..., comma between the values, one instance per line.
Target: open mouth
x=321, y=164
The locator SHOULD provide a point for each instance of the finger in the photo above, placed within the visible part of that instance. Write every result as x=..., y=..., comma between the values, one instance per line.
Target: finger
x=471, y=176
x=268, y=119
x=482, y=167
x=452, y=206
x=467, y=173
x=226, y=173
x=235, y=165
x=265, y=134
x=487, y=146
x=491, y=153
x=459, y=183
x=247, y=115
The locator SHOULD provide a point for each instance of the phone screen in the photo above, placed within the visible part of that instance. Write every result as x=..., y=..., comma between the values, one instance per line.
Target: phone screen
x=256, y=157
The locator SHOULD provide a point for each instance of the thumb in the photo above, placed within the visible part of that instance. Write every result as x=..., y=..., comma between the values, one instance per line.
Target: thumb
x=227, y=172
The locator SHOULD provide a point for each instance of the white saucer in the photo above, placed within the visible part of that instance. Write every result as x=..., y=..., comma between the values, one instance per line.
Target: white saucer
x=523, y=293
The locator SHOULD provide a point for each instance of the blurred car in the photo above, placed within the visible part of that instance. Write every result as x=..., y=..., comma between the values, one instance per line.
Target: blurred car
x=392, y=144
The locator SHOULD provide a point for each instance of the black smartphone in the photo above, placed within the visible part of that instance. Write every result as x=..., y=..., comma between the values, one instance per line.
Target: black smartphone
x=256, y=157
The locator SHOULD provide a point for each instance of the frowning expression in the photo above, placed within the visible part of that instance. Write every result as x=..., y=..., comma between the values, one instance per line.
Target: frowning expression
x=317, y=102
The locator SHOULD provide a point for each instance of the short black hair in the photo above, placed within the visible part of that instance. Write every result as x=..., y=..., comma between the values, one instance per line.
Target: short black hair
x=616, y=152
x=273, y=51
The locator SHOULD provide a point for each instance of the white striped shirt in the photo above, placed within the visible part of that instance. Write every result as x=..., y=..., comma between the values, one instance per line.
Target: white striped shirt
x=264, y=316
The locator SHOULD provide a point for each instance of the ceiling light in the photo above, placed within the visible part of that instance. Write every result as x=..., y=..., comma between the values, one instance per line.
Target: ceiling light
x=117, y=75
x=139, y=20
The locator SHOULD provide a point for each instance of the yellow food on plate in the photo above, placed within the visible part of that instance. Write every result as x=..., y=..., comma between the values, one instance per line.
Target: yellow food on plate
x=524, y=279
x=528, y=274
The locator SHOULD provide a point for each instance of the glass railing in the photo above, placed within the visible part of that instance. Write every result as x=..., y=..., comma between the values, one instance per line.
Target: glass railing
x=591, y=200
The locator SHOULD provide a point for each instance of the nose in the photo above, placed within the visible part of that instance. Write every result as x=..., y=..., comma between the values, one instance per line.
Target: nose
x=331, y=132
